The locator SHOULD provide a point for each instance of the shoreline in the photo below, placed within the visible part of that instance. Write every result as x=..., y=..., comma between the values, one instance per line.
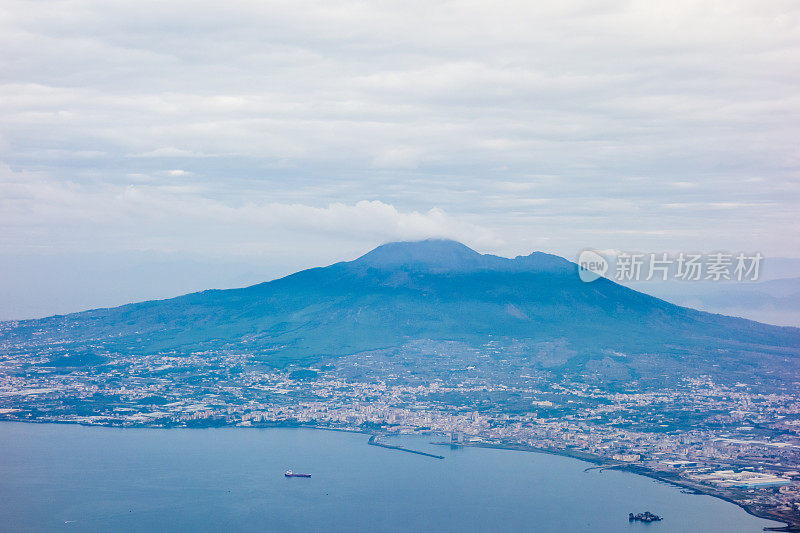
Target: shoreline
x=789, y=525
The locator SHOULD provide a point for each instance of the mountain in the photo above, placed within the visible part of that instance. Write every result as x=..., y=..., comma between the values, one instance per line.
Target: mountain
x=774, y=301
x=398, y=294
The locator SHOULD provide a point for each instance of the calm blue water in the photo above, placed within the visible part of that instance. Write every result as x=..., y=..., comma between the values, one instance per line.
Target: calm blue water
x=73, y=478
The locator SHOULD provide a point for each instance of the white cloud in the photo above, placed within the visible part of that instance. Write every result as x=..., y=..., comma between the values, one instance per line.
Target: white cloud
x=398, y=157
x=170, y=151
x=64, y=217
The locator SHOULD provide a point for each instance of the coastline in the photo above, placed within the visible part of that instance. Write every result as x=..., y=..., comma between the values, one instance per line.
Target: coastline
x=789, y=525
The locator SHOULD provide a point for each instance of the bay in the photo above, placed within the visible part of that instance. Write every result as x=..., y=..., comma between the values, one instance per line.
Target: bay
x=56, y=477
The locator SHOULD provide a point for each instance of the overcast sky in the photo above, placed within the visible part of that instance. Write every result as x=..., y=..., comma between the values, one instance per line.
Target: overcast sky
x=254, y=138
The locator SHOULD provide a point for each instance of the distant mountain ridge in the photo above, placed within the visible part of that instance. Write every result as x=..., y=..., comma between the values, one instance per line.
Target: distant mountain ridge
x=775, y=301
x=400, y=293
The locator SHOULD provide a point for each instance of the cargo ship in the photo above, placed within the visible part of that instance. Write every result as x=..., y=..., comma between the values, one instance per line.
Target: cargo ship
x=289, y=473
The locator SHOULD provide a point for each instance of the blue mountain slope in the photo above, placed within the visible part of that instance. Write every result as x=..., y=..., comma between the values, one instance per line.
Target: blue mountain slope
x=401, y=292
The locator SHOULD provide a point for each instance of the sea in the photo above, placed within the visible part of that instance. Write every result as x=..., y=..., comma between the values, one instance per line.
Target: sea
x=62, y=477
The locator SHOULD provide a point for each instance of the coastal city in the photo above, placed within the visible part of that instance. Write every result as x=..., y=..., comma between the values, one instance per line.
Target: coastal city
x=729, y=440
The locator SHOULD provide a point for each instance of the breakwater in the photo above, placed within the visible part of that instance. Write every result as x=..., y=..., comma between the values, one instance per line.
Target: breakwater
x=373, y=441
